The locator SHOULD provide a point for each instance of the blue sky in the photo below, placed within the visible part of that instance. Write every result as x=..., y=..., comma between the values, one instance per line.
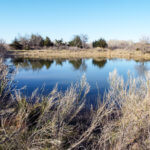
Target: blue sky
x=110, y=19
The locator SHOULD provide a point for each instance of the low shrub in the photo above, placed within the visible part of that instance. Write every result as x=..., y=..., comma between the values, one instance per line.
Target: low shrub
x=76, y=42
x=16, y=45
x=48, y=42
x=100, y=43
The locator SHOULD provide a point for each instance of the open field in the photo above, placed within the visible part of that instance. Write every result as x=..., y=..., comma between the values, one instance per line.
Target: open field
x=91, y=53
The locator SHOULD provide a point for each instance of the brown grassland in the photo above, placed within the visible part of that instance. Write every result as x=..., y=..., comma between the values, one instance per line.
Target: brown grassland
x=84, y=53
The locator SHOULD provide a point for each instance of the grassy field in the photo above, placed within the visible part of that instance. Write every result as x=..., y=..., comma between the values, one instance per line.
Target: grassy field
x=90, y=53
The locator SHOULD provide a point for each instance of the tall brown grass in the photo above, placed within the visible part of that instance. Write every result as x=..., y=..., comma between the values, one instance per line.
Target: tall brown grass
x=60, y=120
x=3, y=47
x=120, y=44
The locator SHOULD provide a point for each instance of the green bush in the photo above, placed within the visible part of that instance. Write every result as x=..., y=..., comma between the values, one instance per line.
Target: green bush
x=16, y=45
x=48, y=42
x=100, y=43
x=76, y=42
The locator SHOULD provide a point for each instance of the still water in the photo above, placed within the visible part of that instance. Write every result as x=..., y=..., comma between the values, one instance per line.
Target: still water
x=35, y=73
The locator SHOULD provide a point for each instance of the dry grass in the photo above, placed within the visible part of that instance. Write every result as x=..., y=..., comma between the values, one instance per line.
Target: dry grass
x=122, y=120
x=131, y=129
x=120, y=44
x=48, y=123
x=5, y=85
x=3, y=47
x=90, y=53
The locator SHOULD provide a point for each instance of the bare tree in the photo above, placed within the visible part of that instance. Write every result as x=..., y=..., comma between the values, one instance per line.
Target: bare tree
x=79, y=41
x=36, y=41
x=145, y=40
x=120, y=44
x=59, y=43
x=84, y=39
x=25, y=42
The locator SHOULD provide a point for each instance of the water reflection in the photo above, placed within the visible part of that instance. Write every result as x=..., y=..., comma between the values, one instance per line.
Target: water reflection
x=99, y=62
x=60, y=61
x=33, y=73
x=76, y=63
x=83, y=67
x=141, y=68
x=79, y=64
x=38, y=64
x=32, y=63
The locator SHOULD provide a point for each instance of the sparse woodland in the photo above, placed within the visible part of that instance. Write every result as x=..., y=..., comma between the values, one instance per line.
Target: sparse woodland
x=78, y=42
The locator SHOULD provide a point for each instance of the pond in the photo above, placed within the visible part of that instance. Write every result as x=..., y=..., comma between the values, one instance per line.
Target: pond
x=34, y=73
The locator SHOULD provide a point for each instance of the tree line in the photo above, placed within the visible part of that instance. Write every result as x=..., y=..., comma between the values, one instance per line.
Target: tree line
x=36, y=41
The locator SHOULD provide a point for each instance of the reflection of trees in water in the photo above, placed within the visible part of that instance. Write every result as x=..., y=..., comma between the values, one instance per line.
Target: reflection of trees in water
x=59, y=61
x=37, y=64
x=79, y=64
x=48, y=63
x=32, y=63
x=23, y=63
x=76, y=63
x=83, y=67
x=141, y=68
x=99, y=63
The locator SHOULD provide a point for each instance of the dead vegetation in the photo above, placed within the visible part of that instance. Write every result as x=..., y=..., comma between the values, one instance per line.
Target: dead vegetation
x=120, y=44
x=136, y=54
x=3, y=47
x=60, y=120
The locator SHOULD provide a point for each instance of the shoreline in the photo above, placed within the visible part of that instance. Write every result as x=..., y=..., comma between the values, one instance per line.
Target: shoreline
x=75, y=54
